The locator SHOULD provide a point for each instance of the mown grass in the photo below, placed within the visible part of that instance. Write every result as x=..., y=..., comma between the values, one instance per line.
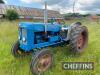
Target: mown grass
x=12, y=66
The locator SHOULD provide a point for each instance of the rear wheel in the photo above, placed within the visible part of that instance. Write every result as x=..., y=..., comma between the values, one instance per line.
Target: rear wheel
x=79, y=39
x=41, y=62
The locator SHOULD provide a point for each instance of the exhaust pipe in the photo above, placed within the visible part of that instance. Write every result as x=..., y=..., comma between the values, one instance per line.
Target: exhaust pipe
x=45, y=17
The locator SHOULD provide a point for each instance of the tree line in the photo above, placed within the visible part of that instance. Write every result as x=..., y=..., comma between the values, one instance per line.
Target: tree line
x=76, y=15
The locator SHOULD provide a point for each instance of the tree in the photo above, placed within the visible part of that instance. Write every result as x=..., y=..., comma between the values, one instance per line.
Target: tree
x=86, y=15
x=1, y=1
x=11, y=14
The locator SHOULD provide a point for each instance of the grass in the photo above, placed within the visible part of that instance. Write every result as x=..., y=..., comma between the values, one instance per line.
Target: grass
x=12, y=66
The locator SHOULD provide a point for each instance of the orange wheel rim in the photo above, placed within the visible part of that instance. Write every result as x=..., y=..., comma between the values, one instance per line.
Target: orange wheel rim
x=44, y=62
x=80, y=42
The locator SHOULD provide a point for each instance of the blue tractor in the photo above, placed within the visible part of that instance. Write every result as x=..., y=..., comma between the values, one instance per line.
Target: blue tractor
x=37, y=37
x=32, y=37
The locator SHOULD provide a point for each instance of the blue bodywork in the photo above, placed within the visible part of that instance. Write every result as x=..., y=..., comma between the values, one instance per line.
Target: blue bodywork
x=32, y=35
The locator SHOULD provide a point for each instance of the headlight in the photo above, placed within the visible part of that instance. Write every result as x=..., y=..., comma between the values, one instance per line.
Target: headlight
x=24, y=39
x=19, y=38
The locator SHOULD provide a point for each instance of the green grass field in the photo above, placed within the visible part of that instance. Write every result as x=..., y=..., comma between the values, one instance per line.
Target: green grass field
x=12, y=66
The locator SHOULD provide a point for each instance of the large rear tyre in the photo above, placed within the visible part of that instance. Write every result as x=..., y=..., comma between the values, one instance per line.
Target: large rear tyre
x=79, y=39
x=41, y=62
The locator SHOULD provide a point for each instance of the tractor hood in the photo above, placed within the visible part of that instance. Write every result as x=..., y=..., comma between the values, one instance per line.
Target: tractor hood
x=36, y=27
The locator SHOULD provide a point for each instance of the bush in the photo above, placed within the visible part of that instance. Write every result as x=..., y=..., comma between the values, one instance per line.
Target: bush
x=11, y=14
x=1, y=1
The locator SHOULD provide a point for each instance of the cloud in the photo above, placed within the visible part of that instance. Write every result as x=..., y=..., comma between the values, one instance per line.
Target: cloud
x=66, y=6
x=92, y=6
x=30, y=1
x=59, y=5
x=49, y=2
x=59, y=2
x=5, y=1
x=61, y=9
x=81, y=6
x=62, y=6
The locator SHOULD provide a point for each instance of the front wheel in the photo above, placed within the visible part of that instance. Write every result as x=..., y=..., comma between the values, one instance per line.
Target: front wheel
x=17, y=51
x=41, y=62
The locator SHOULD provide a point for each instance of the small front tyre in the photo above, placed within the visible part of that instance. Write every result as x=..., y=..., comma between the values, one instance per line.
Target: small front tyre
x=16, y=51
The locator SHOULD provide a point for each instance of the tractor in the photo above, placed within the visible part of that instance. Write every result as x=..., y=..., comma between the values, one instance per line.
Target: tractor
x=38, y=37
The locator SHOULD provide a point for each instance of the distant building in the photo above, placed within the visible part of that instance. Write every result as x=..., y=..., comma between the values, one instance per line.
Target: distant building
x=27, y=12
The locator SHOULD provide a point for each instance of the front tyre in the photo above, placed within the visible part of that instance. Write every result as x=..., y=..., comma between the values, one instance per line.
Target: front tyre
x=16, y=51
x=41, y=62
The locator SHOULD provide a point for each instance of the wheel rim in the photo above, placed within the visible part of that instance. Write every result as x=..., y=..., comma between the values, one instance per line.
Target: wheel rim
x=44, y=62
x=19, y=52
x=81, y=41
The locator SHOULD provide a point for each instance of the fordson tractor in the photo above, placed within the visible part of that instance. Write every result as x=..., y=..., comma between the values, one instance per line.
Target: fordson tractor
x=38, y=37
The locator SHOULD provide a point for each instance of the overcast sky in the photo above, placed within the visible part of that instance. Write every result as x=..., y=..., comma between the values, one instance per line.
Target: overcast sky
x=64, y=6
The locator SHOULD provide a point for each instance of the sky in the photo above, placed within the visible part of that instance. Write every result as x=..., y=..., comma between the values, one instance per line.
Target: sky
x=63, y=6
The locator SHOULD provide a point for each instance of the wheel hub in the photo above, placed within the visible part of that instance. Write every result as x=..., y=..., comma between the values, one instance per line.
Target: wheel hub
x=80, y=42
x=44, y=62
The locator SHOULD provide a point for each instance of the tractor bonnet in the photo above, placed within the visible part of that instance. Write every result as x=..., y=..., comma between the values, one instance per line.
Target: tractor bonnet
x=40, y=26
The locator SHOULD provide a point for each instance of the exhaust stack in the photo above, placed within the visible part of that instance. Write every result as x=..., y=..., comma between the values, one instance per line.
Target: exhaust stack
x=45, y=17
